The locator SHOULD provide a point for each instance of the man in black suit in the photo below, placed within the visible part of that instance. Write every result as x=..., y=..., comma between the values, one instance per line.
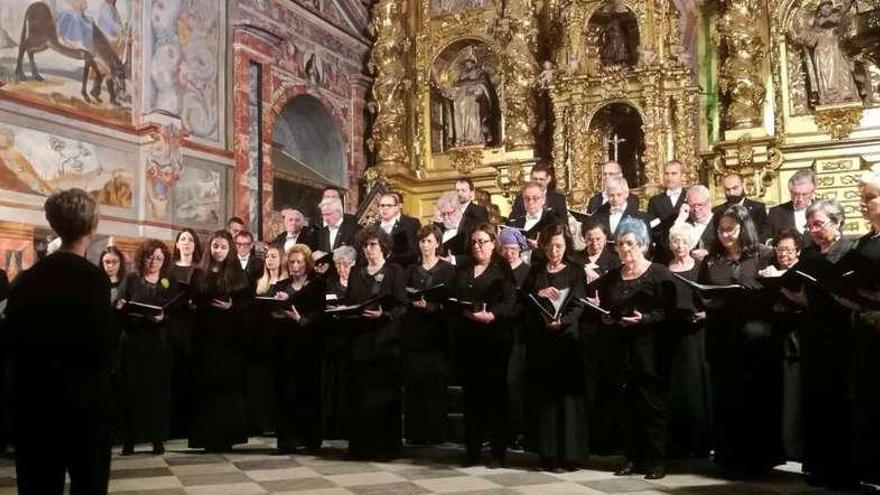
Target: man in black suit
x=609, y=171
x=554, y=202
x=734, y=191
x=474, y=213
x=619, y=206
x=247, y=258
x=791, y=215
x=338, y=229
x=59, y=325
x=401, y=228
x=455, y=228
x=535, y=218
x=234, y=225
x=663, y=208
x=697, y=211
x=296, y=230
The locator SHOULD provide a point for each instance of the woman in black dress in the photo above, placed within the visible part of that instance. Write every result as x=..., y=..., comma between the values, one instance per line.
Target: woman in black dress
x=867, y=334
x=426, y=344
x=486, y=292
x=186, y=257
x=113, y=262
x=299, y=352
x=745, y=358
x=513, y=243
x=337, y=351
x=640, y=295
x=375, y=377
x=114, y=265
x=826, y=357
x=599, y=255
x=690, y=411
x=554, y=357
x=146, y=351
x=220, y=290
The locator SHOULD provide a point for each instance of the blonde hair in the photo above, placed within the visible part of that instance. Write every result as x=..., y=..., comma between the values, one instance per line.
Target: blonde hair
x=266, y=279
x=306, y=253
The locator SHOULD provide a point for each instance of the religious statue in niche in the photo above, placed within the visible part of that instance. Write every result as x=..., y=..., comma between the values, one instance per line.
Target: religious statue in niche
x=616, y=29
x=829, y=71
x=469, y=104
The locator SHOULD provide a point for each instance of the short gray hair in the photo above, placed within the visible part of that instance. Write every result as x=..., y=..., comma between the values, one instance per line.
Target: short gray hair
x=871, y=178
x=801, y=176
x=344, y=254
x=682, y=230
x=636, y=227
x=448, y=198
x=829, y=207
x=332, y=204
x=698, y=189
x=617, y=182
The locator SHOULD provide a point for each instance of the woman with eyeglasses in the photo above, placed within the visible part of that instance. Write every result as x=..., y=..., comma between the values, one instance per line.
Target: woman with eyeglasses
x=112, y=261
x=146, y=349
x=426, y=343
x=220, y=291
x=185, y=259
x=690, y=413
x=554, y=353
x=826, y=356
x=485, y=293
x=299, y=351
x=375, y=376
x=337, y=351
x=639, y=296
x=744, y=355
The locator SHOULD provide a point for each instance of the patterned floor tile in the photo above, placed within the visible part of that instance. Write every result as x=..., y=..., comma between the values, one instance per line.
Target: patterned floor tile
x=232, y=489
x=620, y=485
x=363, y=479
x=213, y=479
x=296, y=485
x=456, y=484
x=282, y=474
x=560, y=488
x=403, y=488
x=520, y=479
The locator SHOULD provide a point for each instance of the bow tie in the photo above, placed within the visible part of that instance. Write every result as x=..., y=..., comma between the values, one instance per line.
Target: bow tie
x=291, y=236
x=616, y=211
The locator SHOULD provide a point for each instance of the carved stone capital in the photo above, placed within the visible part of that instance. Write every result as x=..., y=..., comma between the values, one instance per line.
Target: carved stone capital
x=839, y=121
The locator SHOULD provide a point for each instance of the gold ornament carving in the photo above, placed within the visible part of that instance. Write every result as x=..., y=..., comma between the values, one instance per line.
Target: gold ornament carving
x=740, y=75
x=465, y=160
x=839, y=121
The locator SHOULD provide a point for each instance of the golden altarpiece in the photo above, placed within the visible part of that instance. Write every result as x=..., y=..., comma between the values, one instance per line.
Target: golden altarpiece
x=484, y=88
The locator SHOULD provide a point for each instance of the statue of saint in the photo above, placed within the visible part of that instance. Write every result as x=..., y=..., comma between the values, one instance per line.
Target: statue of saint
x=829, y=71
x=471, y=99
x=615, y=49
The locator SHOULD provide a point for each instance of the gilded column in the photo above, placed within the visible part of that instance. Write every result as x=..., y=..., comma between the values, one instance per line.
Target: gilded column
x=515, y=32
x=740, y=77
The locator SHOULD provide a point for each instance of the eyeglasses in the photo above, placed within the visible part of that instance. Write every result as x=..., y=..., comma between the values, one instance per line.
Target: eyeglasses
x=786, y=250
x=480, y=242
x=243, y=243
x=371, y=243
x=818, y=225
x=155, y=258
x=386, y=205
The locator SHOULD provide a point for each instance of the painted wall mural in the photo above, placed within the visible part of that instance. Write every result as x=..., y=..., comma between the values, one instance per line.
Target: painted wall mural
x=164, y=163
x=184, y=52
x=69, y=54
x=34, y=162
x=199, y=195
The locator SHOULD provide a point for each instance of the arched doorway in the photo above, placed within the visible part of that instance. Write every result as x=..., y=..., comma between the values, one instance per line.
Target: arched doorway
x=619, y=134
x=307, y=155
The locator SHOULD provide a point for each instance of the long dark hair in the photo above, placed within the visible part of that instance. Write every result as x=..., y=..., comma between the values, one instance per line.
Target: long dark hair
x=197, y=249
x=120, y=275
x=748, y=234
x=230, y=276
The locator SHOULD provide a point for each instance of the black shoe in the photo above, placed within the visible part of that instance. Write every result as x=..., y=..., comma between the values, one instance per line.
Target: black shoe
x=655, y=473
x=470, y=460
x=496, y=463
x=627, y=469
x=127, y=449
x=158, y=448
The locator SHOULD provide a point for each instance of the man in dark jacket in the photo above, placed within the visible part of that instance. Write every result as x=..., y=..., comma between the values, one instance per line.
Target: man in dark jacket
x=401, y=228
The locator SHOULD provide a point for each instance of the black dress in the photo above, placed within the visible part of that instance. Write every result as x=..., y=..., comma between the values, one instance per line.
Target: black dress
x=826, y=370
x=259, y=373
x=689, y=402
x=182, y=321
x=59, y=325
x=146, y=362
x=745, y=360
x=866, y=257
x=298, y=355
x=643, y=352
x=335, y=368
x=554, y=368
x=375, y=376
x=219, y=418
x=516, y=367
x=484, y=350
x=426, y=359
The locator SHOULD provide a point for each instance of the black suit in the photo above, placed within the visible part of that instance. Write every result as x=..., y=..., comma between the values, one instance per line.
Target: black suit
x=406, y=245
x=708, y=236
x=459, y=245
x=306, y=236
x=475, y=214
x=59, y=322
x=597, y=200
x=660, y=208
x=781, y=217
x=555, y=204
x=348, y=229
x=253, y=269
x=604, y=216
x=758, y=212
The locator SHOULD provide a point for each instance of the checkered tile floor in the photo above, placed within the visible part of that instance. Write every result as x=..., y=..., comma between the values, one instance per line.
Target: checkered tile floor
x=253, y=469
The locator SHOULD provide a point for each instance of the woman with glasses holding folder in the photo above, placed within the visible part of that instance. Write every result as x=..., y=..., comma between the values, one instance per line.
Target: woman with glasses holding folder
x=636, y=300
x=146, y=349
x=375, y=375
x=553, y=294
x=484, y=292
x=297, y=312
x=426, y=342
